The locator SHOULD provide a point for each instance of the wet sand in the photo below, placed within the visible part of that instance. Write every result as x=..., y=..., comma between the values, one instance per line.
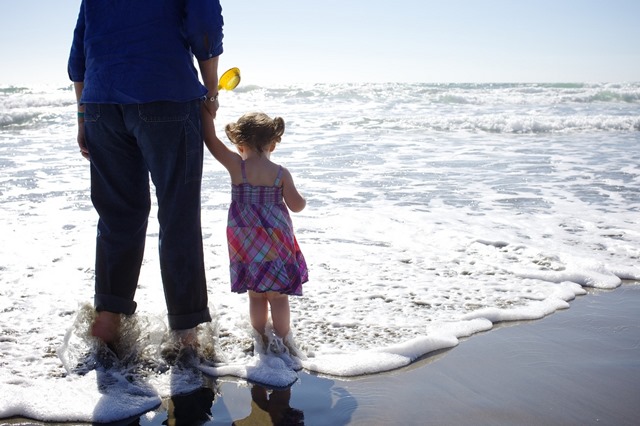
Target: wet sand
x=579, y=366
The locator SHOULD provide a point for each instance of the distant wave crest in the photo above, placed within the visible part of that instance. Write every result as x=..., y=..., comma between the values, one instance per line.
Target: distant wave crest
x=524, y=124
x=493, y=108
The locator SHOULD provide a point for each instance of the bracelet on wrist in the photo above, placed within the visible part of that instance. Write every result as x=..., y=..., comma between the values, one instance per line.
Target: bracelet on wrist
x=211, y=98
x=80, y=114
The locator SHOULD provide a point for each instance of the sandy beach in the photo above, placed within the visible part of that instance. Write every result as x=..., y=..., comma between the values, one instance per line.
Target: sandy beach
x=580, y=366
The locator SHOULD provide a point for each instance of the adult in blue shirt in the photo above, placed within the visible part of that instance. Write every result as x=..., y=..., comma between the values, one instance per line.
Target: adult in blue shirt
x=139, y=115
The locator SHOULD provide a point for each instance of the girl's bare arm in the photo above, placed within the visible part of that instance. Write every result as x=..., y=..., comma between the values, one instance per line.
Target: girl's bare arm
x=218, y=149
x=295, y=202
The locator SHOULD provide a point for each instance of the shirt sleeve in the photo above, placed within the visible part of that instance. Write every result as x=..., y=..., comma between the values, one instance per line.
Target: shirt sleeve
x=203, y=26
x=76, y=64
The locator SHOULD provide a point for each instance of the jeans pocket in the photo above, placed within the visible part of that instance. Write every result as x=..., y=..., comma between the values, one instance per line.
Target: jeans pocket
x=174, y=129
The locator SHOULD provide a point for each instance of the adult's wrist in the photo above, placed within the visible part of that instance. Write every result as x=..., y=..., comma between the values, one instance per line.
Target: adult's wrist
x=211, y=97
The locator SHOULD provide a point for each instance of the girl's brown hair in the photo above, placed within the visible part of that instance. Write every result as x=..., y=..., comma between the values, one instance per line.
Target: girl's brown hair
x=255, y=130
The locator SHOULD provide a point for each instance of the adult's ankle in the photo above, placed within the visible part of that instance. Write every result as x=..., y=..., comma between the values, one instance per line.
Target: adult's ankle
x=106, y=326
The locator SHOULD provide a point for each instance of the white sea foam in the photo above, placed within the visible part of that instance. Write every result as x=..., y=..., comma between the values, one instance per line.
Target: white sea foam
x=434, y=211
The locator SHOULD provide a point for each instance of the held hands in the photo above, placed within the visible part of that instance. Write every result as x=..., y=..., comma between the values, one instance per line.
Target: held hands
x=208, y=126
x=211, y=104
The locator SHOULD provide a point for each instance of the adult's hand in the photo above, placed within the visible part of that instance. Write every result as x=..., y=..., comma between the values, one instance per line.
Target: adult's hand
x=211, y=104
x=78, y=86
x=82, y=143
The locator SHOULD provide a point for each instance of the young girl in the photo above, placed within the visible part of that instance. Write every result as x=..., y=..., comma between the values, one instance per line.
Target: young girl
x=265, y=258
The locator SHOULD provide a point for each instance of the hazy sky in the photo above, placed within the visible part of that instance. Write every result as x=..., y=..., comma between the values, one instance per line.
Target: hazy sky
x=283, y=41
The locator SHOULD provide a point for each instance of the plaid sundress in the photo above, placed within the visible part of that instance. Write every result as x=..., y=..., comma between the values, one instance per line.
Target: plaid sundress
x=263, y=251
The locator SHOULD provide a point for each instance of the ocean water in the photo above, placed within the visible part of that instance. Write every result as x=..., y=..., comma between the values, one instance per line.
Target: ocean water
x=434, y=212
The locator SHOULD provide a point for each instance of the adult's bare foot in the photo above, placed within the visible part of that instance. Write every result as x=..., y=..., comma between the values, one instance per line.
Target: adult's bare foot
x=106, y=326
x=188, y=337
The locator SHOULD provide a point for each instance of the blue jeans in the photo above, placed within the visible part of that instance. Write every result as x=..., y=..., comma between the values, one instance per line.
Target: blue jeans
x=127, y=143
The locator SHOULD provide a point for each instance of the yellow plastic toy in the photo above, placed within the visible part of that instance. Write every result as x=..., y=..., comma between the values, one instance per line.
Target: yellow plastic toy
x=230, y=79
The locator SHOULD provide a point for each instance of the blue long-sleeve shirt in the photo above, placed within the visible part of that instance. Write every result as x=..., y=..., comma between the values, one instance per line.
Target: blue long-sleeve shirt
x=138, y=51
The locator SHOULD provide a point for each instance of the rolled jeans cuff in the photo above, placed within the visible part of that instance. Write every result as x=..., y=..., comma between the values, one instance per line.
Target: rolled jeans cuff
x=115, y=304
x=186, y=321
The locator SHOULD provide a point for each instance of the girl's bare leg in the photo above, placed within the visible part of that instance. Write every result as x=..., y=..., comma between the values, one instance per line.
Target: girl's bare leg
x=258, y=311
x=280, y=313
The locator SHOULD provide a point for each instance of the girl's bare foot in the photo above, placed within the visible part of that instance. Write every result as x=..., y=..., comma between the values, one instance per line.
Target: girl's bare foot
x=260, y=342
x=106, y=326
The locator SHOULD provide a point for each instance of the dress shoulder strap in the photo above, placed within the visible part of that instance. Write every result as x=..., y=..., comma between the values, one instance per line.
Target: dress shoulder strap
x=244, y=172
x=278, y=178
